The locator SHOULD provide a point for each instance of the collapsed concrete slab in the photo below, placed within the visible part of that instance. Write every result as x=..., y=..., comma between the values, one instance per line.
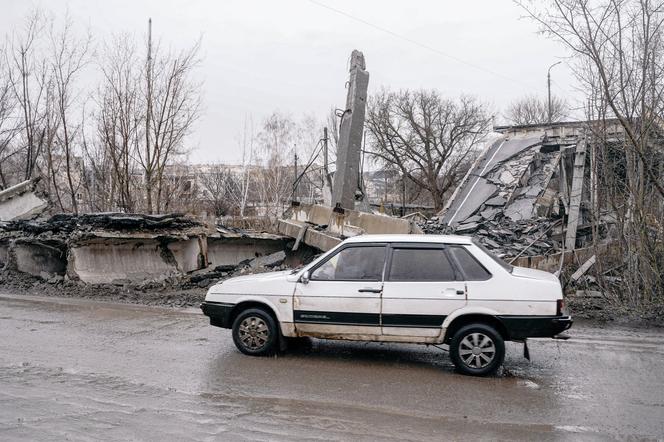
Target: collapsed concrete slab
x=22, y=201
x=38, y=258
x=228, y=248
x=493, y=178
x=323, y=228
x=103, y=258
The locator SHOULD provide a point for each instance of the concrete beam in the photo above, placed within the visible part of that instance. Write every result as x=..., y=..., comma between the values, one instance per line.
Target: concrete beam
x=233, y=250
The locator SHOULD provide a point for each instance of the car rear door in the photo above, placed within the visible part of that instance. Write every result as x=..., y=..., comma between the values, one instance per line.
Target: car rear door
x=422, y=287
x=342, y=295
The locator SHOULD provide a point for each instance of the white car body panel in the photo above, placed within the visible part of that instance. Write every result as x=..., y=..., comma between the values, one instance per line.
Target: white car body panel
x=338, y=310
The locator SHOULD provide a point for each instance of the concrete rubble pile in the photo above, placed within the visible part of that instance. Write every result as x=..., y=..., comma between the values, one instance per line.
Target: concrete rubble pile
x=102, y=248
x=510, y=199
x=134, y=249
x=505, y=237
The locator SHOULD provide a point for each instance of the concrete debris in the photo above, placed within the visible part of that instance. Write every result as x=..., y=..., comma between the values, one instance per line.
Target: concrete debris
x=513, y=197
x=503, y=236
x=326, y=227
x=269, y=261
x=584, y=268
x=487, y=182
x=67, y=223
x=23, y=201
x=124, y=249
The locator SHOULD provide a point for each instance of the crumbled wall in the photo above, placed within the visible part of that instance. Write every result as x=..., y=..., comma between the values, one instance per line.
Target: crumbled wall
x=125, y=248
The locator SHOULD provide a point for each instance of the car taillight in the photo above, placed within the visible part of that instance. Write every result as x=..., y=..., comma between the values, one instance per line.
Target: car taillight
x=560, y=304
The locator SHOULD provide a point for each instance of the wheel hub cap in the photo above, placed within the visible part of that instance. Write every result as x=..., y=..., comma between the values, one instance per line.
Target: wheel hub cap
x=253, y=332
x=477, y=350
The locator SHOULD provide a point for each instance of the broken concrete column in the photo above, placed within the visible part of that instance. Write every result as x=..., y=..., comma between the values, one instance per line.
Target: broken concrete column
x=346, y=177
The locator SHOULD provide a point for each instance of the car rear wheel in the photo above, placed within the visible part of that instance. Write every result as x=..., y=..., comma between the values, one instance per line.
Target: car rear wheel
x=255, y=332
x=477, y=350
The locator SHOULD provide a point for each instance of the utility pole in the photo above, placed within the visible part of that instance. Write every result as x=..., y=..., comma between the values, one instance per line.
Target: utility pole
x=326, y=188
x=326, y=164
x=295, y=180
x=548, y=85
x=148, y=117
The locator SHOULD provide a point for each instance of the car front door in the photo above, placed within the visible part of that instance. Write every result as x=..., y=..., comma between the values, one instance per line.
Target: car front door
x=342, y=294
x=422, y=287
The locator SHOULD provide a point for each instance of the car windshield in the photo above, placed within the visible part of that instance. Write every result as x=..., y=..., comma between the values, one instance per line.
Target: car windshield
x=502, y=263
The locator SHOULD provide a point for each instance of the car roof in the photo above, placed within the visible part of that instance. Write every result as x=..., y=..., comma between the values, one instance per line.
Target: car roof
x=448, y=239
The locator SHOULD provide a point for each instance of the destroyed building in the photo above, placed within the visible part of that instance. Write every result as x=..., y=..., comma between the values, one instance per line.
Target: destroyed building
x=527, y=194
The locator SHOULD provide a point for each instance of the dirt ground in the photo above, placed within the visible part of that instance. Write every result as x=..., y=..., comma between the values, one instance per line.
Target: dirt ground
x=164, y=294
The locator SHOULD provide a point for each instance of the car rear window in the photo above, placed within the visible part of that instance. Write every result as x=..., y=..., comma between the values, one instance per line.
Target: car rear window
x=427, y=264
x=471, y=268
x=502, y=263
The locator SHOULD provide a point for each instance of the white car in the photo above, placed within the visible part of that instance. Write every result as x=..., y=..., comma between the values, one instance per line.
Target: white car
x=424, y=289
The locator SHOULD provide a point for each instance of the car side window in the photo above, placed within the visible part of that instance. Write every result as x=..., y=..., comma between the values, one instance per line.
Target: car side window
x=360, y=263
x=423, y=264
x=471, y=268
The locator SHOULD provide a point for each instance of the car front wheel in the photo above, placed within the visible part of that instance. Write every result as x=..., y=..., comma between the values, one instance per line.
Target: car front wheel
x=477, y=350
x=255, y=332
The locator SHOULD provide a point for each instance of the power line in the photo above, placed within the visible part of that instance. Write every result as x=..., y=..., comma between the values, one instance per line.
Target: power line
x=417, y=43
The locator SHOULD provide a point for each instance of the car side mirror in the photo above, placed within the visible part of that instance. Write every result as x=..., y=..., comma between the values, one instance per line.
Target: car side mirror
x=304, y=279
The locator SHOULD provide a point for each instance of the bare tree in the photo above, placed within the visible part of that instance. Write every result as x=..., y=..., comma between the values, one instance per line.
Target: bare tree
x=218, y=185
x=9, y=124
x=243, y=183
x=532, y=109
x=618, y=46
x=172, y=100
x=29, y=76
x=274, y=179
x=425, y=136
x=120, y=111
x=68, y=57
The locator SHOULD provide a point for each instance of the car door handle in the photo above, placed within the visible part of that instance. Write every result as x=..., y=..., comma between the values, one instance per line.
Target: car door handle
x=453, y=292
x=370, y=290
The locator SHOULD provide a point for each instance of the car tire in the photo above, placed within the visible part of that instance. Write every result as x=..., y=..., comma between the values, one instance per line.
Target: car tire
x=477, y=350
x=255, y=332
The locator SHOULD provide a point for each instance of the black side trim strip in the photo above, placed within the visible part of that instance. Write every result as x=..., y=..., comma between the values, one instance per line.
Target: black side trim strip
x=336, y=318
x=419, y=321
x=368, y=319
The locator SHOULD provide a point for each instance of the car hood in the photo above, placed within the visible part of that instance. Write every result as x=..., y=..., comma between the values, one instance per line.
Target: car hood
x=258, y=283
x=524, y=272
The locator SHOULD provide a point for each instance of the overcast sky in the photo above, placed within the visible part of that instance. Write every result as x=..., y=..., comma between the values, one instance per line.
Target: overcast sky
x=291, y=55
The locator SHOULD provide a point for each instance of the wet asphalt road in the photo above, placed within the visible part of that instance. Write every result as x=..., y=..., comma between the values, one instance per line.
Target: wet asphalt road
x=82, y=370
